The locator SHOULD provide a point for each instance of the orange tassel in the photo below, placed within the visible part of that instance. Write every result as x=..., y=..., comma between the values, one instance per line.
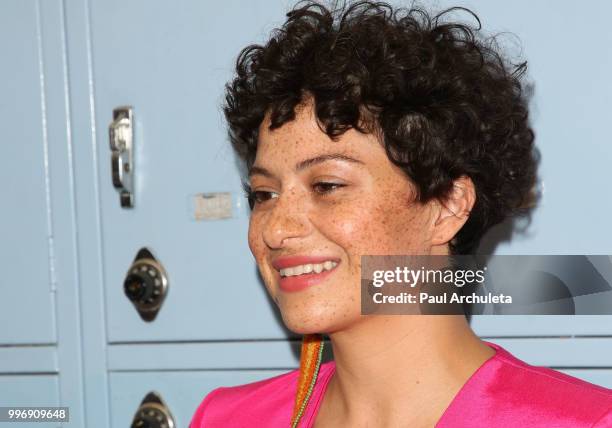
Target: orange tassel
x=310, y=360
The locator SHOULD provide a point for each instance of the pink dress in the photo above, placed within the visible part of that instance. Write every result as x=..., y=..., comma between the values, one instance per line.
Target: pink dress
x=504, y=392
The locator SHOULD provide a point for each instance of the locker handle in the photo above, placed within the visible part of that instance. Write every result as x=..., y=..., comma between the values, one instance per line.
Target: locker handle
x=121, y=135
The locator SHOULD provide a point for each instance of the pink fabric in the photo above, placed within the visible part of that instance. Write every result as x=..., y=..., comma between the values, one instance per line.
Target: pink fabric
x=504, y=392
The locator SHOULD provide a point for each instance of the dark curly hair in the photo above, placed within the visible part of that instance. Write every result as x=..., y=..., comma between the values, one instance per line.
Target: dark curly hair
x=445, y=102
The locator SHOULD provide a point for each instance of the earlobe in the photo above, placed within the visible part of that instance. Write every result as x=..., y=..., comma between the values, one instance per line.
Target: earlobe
x=454, y=211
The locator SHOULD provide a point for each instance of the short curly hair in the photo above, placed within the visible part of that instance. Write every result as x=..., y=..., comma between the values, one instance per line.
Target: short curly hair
x=445, y=102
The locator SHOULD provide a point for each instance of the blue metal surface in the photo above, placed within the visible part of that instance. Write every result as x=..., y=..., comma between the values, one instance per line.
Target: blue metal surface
x=25, y=390
x=26, y=226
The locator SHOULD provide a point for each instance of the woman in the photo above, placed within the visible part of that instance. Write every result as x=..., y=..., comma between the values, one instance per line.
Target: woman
x=365, y=131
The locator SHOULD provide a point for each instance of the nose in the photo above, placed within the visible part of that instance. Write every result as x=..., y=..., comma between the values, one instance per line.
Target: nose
x=286, y=220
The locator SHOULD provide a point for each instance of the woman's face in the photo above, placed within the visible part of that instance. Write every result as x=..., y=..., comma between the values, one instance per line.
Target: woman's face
x=335, y=209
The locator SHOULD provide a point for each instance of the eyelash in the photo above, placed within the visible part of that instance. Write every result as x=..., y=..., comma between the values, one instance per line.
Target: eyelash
x=251, y=195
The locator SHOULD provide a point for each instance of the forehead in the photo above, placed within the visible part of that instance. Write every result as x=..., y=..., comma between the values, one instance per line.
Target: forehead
x=302, y=137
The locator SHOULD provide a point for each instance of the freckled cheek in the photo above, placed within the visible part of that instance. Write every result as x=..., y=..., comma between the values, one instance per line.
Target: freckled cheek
x=259, y=251
x=256, y=243
x=252, y=238
x=357, y=232
x=382, y=229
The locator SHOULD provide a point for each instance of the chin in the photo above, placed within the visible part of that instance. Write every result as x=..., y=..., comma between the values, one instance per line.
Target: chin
x=303, y=329
x=301, y=320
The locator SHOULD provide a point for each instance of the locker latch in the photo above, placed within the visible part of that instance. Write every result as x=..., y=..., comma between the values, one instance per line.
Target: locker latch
x=121, y=133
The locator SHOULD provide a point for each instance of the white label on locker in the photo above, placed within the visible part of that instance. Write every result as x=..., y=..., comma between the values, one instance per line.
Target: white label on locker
x=213, y=206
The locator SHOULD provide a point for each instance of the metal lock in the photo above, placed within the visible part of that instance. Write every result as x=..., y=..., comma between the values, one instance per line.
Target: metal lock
x=146, y=284
x=153, y=413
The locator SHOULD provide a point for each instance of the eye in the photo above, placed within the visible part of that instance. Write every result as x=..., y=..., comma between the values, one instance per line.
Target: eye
x=260, y=196
x=326, y=187
x=255, y=197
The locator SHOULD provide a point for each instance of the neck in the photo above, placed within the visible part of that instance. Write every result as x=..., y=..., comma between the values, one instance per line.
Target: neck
x=402, y=368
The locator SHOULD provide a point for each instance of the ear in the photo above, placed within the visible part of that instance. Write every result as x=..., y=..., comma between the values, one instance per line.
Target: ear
x=454, y=211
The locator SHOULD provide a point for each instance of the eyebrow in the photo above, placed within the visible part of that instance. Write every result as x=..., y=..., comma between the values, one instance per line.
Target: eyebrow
x=257, y=170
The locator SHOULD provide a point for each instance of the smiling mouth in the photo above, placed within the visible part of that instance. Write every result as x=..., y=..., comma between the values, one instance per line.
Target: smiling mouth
x=292, y=280
x=308, y=268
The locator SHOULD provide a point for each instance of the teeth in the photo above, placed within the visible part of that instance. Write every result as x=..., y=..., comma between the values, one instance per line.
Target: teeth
x=308, y=268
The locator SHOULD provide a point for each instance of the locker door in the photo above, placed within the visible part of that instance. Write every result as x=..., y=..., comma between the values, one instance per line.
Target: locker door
x=25, y=217
x=39, y=319
x=170, y=61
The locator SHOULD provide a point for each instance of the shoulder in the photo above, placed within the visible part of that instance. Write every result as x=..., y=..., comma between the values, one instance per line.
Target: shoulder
x=268, y=402
x=546, y=395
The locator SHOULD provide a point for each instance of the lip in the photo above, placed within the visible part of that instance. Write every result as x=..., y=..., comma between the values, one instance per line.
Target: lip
x=300, y=282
